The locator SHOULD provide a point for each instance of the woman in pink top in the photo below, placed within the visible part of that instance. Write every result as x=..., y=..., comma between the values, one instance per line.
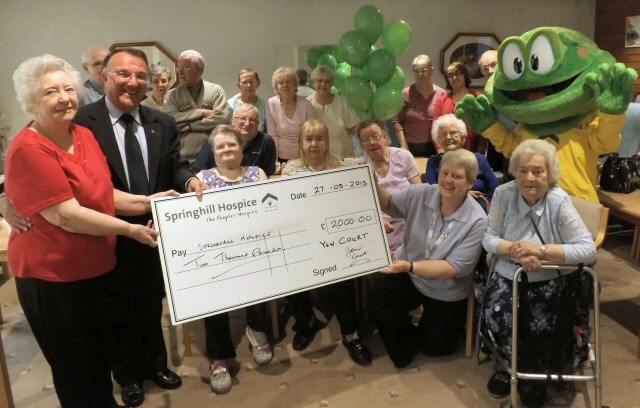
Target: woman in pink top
x=413, y=123
x=286, y=112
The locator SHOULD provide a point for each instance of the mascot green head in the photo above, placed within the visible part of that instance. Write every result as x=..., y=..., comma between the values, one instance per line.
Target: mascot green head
x=549, y=77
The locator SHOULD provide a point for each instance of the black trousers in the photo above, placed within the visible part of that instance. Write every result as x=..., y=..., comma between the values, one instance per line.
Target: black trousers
x=136, y=294
x=439, y=331
x=341, y=296
x=218, y=332
x=70, y=322
x=426, y=149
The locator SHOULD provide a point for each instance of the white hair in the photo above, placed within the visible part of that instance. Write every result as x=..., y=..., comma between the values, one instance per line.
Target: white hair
x=194, y=56
x=26, y=78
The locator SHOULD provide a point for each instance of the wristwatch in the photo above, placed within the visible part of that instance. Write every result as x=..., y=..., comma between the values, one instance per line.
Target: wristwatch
x=543, y=250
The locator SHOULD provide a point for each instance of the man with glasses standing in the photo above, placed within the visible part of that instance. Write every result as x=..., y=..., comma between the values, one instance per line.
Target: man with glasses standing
x=92, y=58
x=198, y=106
x=259, y=148
x=139, y=352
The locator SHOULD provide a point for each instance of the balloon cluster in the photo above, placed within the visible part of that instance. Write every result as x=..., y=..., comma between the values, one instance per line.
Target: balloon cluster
x=367, y=76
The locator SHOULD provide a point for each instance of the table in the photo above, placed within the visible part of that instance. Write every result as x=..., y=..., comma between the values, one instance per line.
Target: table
x=627, y=208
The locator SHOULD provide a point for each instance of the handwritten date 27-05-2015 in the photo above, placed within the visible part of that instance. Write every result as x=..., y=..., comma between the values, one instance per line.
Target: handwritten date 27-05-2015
x=334, y=187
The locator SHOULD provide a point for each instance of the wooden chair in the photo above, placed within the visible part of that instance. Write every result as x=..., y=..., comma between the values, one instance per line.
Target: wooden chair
x=471, y=306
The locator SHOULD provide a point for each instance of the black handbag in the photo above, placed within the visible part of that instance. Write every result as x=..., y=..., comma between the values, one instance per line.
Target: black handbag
x=620, y=174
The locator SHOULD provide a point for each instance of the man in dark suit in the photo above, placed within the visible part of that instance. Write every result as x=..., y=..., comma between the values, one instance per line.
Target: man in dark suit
x=139, y=351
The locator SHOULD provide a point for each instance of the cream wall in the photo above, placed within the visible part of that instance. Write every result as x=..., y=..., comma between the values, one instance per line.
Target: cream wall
x=232, y=34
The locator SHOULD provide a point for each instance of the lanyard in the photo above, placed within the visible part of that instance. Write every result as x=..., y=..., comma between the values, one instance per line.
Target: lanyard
x=442, y=237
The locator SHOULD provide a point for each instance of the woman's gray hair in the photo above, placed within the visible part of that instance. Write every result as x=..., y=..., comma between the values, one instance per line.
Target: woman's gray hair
x=322, y=69
x=227, y=130
x=194, y=56
x=532, y=147
x=421, y=60
x=449, y=119
x=462, y=158
x=283, y=71
x=159, y=70
x=26, y=78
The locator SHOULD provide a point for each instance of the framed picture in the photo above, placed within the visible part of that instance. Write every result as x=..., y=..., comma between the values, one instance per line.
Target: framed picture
x=632, y=32
x=467, y=48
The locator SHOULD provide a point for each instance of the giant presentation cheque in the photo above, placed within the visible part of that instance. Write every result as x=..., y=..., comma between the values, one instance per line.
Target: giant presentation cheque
x=250, y=243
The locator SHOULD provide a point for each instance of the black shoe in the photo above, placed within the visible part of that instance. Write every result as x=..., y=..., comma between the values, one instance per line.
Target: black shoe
x=499, y=385
x=358, y=352
x=166, y=379
x=132, y=395
x=302, y=341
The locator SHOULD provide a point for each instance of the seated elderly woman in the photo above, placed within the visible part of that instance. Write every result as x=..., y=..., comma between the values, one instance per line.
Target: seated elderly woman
x=396, y=169
x=227, y=149
x=314, y=156
x=439, y=278
x=451, y=132
x=532, y=220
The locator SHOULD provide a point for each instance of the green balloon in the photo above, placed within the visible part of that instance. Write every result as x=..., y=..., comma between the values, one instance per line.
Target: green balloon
x=386, y=102
x=342, y=72
x=358, y=93
x=364, y=115
x=369, y=21
x=325, y=49
x=328, y=60
x=354, y=48
x=311, y=57
x=380, y=66
x=397, y=80
x=396, y=36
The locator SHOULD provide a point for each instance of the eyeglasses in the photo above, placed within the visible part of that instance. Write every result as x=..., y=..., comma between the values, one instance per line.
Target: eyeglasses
x=93, y=64
x=422, y=71
x=454, y=74
x=243, y=119
x=452, y=133
x=485, y=68
x=323, y=80
x=372, y=139
x=184, y=69
x=247, y=83
x=126, y=76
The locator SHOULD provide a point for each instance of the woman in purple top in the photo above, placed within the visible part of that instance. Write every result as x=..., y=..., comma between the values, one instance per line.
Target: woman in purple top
x=396, y=169
x=227, y=150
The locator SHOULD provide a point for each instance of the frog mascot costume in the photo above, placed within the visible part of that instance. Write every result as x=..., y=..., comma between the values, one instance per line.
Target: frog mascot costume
x=558, y=86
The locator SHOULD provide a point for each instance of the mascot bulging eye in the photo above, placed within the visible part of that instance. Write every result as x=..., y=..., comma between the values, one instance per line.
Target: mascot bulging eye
x=542, y=59
x=512, y=61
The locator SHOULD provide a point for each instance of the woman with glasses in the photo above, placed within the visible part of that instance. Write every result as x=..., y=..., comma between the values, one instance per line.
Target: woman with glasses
x=160, y=81
x=395, y=168
x=286, y=112
x=413, y=123
x=451, y=133
x=248, y=84
x=314, y=156
x=226, y=142
x=434, y=266
x=333, y=111
x=458, y=80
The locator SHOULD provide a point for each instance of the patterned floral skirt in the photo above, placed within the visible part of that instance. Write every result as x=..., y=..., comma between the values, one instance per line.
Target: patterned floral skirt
x=549, y=312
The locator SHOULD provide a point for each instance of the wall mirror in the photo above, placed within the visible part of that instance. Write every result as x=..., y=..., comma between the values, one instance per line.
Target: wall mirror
x=156, y=55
